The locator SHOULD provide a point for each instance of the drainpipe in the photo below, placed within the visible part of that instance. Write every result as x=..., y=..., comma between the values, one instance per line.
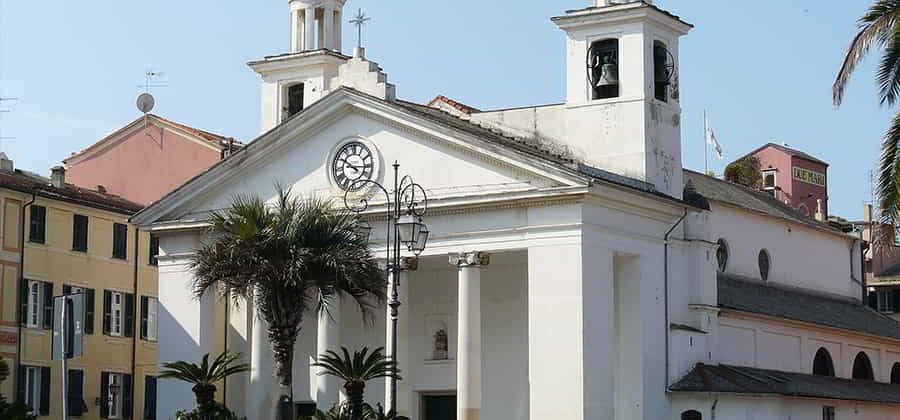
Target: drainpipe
x=136, y=328
x=21, y=317
x=666, y=287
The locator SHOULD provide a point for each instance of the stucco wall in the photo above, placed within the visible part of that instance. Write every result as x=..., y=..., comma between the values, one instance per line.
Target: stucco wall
x=800, y=256
x=144, y=165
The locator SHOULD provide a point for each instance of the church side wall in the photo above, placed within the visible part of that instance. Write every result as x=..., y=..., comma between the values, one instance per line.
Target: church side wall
x=771, y=408
x=791, y=247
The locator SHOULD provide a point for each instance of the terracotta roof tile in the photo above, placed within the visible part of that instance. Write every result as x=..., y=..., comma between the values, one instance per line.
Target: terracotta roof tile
x=465, y=109
x=28, y=183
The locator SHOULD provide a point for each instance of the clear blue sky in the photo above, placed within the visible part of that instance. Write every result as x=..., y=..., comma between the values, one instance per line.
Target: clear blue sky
x=762, y=68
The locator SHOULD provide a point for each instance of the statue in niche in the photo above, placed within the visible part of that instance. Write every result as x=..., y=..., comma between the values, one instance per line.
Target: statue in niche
x=441, y=345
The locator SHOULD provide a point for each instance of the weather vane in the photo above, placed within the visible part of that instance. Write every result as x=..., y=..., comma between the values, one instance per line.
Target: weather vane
x=360, y=20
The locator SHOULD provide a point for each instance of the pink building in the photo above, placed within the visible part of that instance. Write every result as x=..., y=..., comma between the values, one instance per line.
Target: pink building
x=794, y=178
x=146, y=159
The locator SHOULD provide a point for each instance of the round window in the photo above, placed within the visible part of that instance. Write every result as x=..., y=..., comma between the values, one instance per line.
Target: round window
x=722, y=255
x=765, y=264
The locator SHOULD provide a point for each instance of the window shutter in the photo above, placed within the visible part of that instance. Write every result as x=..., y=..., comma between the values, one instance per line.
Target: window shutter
x=48, y=306
x=20, y=384
x=89, y=311
x=150, y=398
x=107, y=311
x=45, y=391
x=127, y=400
x=23, y=310
x=129, y=316
x=75, y=398
x=104, y=395
x=144, y=303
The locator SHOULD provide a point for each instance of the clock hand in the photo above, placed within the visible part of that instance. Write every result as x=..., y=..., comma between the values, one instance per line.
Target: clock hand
x=355, y=168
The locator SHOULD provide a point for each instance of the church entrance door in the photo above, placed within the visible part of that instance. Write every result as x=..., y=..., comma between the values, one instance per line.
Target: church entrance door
x=439, y=407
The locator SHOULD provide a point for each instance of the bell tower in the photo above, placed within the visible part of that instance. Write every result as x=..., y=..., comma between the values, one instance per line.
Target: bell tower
x=622, y=95
x=293, y=81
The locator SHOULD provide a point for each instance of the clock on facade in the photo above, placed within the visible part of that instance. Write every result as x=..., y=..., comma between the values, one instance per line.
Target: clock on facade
x=352, y=164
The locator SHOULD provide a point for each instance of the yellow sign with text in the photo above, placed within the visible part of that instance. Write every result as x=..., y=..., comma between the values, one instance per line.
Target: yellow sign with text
x=809, y=177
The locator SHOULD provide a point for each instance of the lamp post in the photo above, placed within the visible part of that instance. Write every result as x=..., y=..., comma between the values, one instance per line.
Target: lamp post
x=405, y=208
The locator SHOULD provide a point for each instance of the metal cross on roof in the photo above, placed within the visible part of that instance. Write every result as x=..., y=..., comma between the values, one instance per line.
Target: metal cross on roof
x=360, y=20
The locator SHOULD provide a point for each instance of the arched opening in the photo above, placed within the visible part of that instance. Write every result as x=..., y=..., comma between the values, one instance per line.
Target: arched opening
x=691, y=415
x=663, y=70
x=895, y=374
x=603, y=69
x=862, y=368
x=822, y=364
x=722, y=255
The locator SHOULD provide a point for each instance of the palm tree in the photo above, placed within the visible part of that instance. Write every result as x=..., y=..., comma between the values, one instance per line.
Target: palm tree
x=286, y=258
x=355, y=371
x=879, y=27
x=205, y=375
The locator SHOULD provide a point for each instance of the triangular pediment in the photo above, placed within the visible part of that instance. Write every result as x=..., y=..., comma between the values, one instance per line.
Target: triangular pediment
x=304, y=153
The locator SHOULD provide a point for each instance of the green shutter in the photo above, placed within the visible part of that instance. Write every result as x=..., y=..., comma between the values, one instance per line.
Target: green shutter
x=89, y=311
x=127, y=400
x=75, y=398
x=45, y=391
x=144, y=302
x=104, y=395
x=150, y=398
x=48, y=306
x=107, y=311
x=128, y=327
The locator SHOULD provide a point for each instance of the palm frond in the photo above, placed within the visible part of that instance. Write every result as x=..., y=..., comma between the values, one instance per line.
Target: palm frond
x=888, y=189
x=876, y=26
x=361, y=366
x=888, y=75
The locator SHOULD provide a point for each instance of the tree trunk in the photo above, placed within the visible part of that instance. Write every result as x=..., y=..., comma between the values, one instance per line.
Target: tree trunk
x=282, y=340
x=355, y=391
x=205, y=393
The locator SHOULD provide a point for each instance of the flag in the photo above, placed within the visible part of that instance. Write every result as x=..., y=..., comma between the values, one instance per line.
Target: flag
x=712, y=140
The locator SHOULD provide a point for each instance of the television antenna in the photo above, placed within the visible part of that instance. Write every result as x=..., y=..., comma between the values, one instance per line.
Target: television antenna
x=145, y=101
x=2, y=99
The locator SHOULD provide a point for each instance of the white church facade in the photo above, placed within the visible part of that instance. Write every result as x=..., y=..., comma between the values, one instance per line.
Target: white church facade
x=574, y=269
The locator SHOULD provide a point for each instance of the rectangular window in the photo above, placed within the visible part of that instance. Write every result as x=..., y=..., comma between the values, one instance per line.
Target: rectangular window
x=37, y=227
x=79, y=233
x=34, y=388
x=827, y=413
x=37, y=304
x=154, y=250
x=115, y=395
x=118, y=314
x=149, y=313
x=120, y=241
x=114, y=402
x=115, y=328
x=149, y=398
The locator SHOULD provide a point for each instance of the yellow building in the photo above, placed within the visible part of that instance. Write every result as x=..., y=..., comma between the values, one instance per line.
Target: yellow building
x=76, y=240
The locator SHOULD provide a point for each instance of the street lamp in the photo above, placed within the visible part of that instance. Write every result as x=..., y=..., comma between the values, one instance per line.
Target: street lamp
x=405, y=209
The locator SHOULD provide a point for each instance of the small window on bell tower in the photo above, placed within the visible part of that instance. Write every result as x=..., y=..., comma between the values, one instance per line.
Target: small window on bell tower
x=603, y=69
x=294, y=100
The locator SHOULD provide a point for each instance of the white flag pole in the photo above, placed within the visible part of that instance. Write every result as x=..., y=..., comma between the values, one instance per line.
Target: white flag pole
x=705, y=144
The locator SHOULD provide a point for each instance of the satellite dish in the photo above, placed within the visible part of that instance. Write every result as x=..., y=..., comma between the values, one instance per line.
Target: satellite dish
x=145, y=102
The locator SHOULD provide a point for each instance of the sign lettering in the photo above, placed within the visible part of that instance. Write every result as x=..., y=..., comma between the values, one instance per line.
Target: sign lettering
x=809, y=177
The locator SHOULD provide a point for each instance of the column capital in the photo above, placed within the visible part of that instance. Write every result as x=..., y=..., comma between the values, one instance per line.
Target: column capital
x=470, y=259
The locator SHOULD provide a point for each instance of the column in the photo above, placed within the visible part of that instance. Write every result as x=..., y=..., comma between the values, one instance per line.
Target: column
x=296, y=31
x=264, y=390
x=328, y=28
x=309, y=28
x=328, y=337
x=468, y=354
x=401, y=353
x=338, y=32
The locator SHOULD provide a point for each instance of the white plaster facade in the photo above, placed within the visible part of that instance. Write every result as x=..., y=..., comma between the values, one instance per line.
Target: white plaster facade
x=601, y=290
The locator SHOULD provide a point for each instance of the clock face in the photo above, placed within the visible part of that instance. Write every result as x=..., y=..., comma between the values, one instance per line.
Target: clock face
x=352, y=164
